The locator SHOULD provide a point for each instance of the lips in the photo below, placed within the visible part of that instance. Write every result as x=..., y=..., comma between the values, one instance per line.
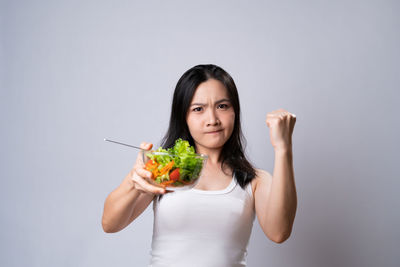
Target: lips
x=213, y=132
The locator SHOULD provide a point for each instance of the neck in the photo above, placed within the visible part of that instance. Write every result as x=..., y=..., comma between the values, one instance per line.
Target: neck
x=213, y=161
x=213, y=154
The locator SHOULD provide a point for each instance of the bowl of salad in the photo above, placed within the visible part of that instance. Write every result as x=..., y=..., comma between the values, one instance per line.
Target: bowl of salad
x=175, y=168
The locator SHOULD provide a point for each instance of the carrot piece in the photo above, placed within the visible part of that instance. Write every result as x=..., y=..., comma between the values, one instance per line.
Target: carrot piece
x=167, y=168
x=152, y=166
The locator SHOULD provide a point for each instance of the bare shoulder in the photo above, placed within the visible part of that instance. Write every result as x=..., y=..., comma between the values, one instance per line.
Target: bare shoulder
x=262, y=178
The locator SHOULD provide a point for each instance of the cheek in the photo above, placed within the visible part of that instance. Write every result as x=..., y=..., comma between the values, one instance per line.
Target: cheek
x=193, y=124
x=230, y=119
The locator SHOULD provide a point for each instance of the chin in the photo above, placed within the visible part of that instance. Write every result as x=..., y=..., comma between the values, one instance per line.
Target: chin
x=212, y=145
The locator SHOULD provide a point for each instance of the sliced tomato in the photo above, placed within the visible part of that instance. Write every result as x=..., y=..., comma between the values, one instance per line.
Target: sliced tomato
x=174, y=175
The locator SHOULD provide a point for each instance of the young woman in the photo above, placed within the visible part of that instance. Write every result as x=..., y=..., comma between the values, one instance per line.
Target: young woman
x=210, y=224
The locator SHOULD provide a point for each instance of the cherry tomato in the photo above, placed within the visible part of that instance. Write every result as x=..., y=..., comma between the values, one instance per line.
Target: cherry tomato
x=174, y=175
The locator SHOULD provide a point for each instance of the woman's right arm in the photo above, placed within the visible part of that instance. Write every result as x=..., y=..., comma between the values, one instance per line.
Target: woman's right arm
x=130, y=198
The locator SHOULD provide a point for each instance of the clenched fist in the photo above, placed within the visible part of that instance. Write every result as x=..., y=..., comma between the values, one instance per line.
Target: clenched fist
x=281, y=124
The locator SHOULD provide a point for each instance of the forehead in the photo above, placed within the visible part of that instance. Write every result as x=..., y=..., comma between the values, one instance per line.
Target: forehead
x=210, y=90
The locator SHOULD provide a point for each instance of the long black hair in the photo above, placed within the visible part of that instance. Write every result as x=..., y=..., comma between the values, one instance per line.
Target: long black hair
x=232, y=153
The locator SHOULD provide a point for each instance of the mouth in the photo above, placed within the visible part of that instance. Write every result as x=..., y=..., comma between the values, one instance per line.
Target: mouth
x=214, y=132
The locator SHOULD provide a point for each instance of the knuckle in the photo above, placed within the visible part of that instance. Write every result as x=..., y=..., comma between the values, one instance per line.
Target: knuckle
x=140, y=174
x=144, y=173
x=135, y=179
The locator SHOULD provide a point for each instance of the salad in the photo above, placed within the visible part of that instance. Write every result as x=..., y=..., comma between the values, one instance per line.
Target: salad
x=176, y=166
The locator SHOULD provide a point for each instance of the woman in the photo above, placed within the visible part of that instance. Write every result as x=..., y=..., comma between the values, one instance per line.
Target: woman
x=210, y=225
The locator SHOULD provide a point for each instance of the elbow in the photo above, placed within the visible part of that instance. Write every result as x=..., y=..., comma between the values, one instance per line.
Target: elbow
x=276, y=236
x=280, y=238
x=107, y=228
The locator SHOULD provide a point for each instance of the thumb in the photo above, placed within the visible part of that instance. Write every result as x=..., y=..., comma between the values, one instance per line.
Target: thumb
x=146, y=146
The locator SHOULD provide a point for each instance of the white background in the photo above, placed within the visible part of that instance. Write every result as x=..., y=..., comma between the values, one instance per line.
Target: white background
x=75, y=72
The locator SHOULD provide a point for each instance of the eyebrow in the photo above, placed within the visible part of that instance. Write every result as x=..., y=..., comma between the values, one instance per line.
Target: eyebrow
x=219, y=101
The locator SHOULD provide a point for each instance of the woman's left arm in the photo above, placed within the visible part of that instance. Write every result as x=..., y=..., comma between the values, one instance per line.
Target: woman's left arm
x=275, y=197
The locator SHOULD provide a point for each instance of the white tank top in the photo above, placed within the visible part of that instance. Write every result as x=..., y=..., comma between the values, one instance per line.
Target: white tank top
x=202, y=228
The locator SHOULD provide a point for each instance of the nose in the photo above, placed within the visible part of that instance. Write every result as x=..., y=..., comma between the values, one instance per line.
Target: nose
x=212, y=118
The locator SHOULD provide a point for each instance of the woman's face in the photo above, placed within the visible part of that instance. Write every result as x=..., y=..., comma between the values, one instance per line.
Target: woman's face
x=210, y=117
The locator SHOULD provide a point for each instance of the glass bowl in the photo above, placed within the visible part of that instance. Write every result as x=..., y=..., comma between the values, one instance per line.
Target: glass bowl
x=173, y=172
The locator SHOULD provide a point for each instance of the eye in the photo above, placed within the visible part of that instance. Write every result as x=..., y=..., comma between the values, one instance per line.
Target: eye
x=223, y=106
x=197, y=109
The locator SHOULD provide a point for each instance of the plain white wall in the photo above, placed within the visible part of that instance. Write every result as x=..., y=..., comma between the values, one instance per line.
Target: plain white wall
x=75, y=72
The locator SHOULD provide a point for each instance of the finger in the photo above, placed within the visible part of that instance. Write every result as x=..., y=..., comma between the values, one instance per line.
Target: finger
x=283, y=113
x=274, y=115
x=143, y=173
x=143, y=146
x=139, y=160
x=273, y=120
x=146, y=146
x=140, y=188
x=294, y=120
x=143, y=190
x=147, y=186
x=278, y=111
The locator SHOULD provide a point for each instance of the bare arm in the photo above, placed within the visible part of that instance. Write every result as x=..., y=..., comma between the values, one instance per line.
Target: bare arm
x=121, y=204
x=129, y=199
x=276, y=198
